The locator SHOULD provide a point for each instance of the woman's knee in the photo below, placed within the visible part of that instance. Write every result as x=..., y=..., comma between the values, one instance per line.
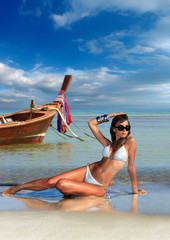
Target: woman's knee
x=101, y=192
x=61, y=184
x=49, y=182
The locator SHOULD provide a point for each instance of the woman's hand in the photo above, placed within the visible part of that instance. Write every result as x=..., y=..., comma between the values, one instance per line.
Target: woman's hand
x=111, y=115
x=120, y=113
x=141, y=192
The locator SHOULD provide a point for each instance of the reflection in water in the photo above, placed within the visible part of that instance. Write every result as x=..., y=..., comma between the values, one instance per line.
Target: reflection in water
x=64, y=150
x=99, y=204
x=24, y=163
x=36, y=148
x=134, y=207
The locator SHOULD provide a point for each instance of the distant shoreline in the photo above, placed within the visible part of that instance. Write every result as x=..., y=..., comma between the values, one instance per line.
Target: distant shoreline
x=141, y=112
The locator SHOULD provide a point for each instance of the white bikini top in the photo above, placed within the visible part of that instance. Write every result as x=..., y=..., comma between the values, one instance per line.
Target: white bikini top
x=120, y=155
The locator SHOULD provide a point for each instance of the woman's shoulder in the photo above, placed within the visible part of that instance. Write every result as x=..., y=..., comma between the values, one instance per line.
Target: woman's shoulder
x=131, y=144
x=130, y=141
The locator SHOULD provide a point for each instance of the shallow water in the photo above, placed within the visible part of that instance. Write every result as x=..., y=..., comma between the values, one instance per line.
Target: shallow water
x=25, y=162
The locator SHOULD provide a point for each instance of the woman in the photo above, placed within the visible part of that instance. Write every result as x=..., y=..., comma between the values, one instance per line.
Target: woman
x=94, y=179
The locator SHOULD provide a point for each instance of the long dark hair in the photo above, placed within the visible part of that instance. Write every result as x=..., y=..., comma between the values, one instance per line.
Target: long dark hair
x=117, y=143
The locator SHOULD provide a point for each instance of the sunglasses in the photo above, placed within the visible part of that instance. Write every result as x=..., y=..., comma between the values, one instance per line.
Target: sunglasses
x=121, y=127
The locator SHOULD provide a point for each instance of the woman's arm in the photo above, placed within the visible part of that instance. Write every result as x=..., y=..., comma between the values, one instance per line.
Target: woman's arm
x=131, y=166
x=93, y=123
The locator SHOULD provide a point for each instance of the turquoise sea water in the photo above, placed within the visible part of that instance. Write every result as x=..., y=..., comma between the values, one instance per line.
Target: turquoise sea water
x=26, y=162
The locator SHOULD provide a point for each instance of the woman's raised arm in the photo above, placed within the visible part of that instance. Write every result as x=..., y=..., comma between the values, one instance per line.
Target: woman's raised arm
x=93, y=123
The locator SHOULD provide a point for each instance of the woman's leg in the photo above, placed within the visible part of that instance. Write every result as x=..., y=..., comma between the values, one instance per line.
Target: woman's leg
x=79, y=188
x=45, y=183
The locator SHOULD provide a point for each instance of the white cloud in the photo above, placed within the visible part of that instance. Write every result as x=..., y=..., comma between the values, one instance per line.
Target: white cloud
x=116, y=46
x=10, y=61
x=158, y=37
x=19, y=79
x=141, y=49
x=7, y=100
x=63, y=20
x=36, y=67
x=20, y=86
x=80, y=9
x=150, y=41
x=9, y=75
x=93, y=48
x=95, y=88
x=34, y=8
x=165, y=89
x=67, y=18
x=110, y=43
x=78, y=100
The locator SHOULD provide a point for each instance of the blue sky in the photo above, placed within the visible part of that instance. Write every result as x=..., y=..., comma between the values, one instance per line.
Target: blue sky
x=117, y=51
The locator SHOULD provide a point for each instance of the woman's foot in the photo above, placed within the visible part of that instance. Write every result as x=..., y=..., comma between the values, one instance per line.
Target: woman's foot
x=12, y=190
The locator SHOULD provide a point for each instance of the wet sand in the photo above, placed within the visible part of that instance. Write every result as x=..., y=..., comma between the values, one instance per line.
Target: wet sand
x=41, y=225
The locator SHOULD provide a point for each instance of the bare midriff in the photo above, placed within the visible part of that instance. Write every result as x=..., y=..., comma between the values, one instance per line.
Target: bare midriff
x=105, y=170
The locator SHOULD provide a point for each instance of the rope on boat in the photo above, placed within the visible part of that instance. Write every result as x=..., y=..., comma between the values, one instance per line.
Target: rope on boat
x=67, y=126
x=55, y=130
x=60, y=134
x=83, y=131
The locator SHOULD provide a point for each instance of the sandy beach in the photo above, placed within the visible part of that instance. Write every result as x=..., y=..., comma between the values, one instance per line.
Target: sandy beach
x=41, y=225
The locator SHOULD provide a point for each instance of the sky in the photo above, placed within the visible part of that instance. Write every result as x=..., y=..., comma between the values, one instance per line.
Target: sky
x=117, y=51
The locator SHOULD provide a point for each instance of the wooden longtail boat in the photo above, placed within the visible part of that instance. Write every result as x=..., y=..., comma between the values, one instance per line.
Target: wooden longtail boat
x=29, y=126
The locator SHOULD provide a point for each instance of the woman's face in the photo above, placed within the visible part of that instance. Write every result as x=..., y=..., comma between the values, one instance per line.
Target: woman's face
x=120, y=129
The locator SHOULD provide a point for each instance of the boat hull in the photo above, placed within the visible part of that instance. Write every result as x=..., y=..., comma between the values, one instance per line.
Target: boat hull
x=30, y=126
x=29, y=131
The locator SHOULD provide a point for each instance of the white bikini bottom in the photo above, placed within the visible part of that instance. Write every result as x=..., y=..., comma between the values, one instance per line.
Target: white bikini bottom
x=90, y=179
